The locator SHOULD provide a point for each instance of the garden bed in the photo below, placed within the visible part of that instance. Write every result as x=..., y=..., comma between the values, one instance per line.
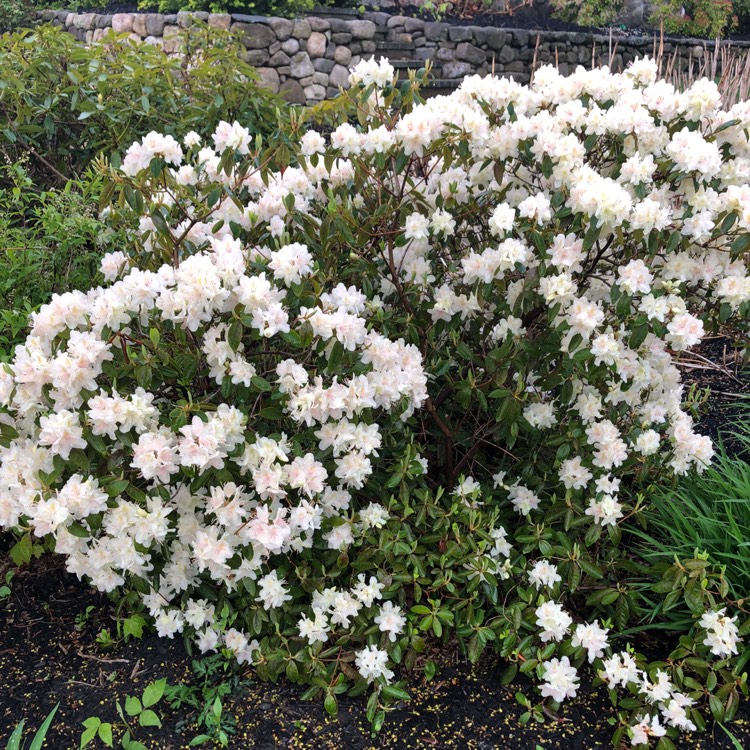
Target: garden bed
x=49, y=655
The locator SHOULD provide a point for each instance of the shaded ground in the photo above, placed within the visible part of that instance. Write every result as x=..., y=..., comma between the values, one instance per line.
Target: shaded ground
x=45, y=659
x=717, y=364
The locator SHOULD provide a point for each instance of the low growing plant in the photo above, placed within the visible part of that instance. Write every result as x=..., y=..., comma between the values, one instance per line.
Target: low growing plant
x=136, y=714
x=412, y=387
x=214, y=679
x=709, y=514
x=50, y=241
x=17, y=741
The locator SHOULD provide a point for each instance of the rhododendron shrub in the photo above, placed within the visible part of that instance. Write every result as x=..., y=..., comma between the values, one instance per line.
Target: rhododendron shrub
x=418, y=382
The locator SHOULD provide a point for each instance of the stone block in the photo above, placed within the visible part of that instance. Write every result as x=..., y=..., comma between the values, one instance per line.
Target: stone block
x=413, y=24
x=282, y=27
x=256, y=35
x=245, y=18
x=339, y=76
x=279, y=59
x=301, y=30
x=315, y=92
x=269, y=79
x=456, y=69
x=292, y=92
x=319, y=24
x=219, y=20
x=185, y=18
x=257, y=57
x=495, y=38
x=470, y=53
x=139, y=24
x=316, y=44
x=436, y=30
x=122, y=23
x=301, y=65
x=155, y=24
x=507, y=53
x=460, y=34
x=341, y=37
x=321, y=78
x=362, y=29
x=395, y=21
x=342, y=55
x=322, y=65
x=103, y=21
x=290, y=46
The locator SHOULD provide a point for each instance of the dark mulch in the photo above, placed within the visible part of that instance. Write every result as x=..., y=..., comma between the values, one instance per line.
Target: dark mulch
x=46, y=659
x=719, y=367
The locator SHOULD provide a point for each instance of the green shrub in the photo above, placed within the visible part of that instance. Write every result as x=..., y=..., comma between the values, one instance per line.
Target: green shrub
x=587, y=12
x=288, y=8
x=12, y=14
x=703, y=18
x=51, y=242
x=62, y=103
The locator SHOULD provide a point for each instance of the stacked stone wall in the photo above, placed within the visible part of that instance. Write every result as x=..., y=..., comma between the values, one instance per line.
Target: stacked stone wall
x=306, y=60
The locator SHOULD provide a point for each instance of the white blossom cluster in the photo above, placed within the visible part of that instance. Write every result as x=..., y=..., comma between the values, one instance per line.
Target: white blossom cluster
x=619, y=669
x=685, y=182
x=58, y=396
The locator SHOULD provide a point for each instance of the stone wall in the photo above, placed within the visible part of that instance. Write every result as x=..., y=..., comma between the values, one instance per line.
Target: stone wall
x=306, y=60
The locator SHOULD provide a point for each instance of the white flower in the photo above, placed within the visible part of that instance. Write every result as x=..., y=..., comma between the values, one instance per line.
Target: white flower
x=553, y=620
x=391, y=620
x=647, y=727
x=619, y=669
x=560, y=679
x=721, y=633
x=592, y=637
x=271, y=591
x=371, y=663
x=544, y=573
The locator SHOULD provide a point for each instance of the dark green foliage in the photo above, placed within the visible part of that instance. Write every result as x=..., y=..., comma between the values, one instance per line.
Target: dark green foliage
x=63, y=103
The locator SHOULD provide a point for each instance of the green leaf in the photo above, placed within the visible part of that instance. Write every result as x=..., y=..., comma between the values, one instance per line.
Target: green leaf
x=272, y=413
x=105, y=734
x=133, y=627
x=76, y=529
x=234, y=335
x=330, y=704
x=741, y=244
x=260, y=384
x=133, y=705
x=14, y=743
x=149, y=719
x=396, y=693
x=41, y=735
x=20, y=552
x=117, y=487
x=154, y=692
x=90, y=732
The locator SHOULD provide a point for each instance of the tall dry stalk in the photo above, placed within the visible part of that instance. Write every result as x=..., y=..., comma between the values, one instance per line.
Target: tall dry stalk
x=729, y=67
